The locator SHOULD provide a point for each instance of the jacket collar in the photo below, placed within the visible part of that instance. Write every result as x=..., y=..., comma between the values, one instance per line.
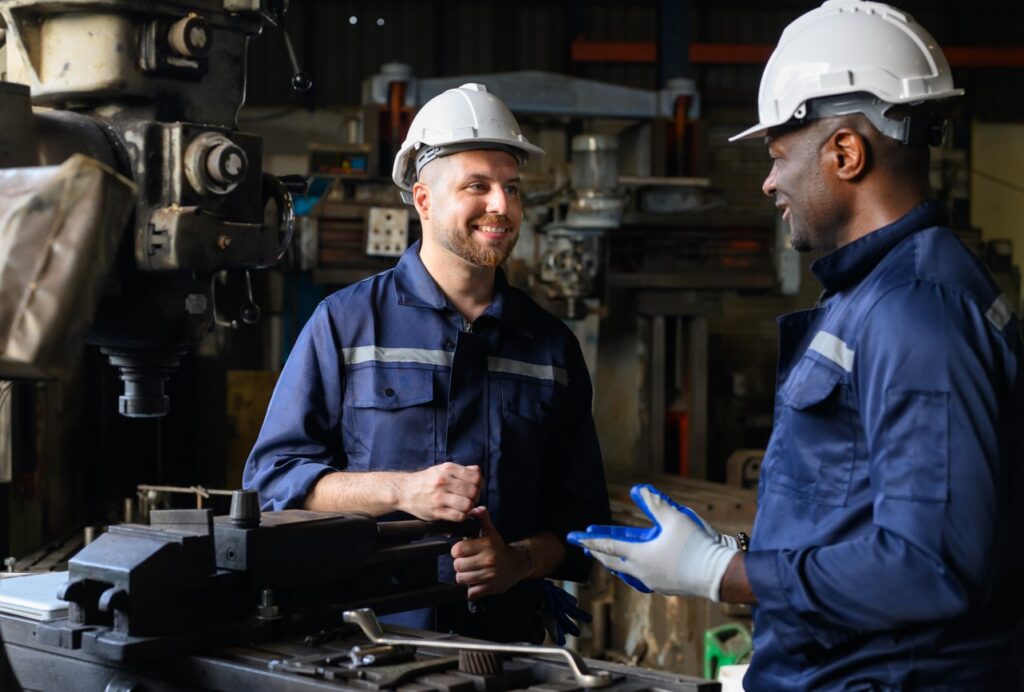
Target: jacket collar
x=417, y=288
x=851, y=263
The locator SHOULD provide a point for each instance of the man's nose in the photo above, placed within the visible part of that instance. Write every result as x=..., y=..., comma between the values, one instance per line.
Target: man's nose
x=768, y=186
x=497, y=200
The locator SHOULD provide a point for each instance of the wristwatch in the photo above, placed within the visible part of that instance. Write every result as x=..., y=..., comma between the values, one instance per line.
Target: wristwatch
x=743, y=541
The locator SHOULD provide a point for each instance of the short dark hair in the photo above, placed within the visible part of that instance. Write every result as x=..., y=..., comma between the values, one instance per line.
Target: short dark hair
x=433, y=173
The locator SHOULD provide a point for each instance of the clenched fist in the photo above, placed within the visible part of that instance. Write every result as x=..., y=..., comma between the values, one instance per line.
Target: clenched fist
x=443, y=492
x=487, y=565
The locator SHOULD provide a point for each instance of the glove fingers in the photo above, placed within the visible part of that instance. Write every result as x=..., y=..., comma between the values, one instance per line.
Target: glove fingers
x=577, y=537
x=647, y=497
x=623, y=533
x=633, y=582
x=615, y=565
x=569, y=627
x=609, y=548
x=565, y=601
x=662, y=509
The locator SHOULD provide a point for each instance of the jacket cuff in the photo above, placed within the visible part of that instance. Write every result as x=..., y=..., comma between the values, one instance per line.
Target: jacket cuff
x=576, y=566
x=291, y=490
x=765, y=574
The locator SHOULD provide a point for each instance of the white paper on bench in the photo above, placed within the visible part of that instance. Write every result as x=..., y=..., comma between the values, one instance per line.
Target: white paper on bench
x=34, y=596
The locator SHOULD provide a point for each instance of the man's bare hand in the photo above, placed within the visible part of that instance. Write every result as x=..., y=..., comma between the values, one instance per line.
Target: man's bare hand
x=487, y=565
x=446, y=492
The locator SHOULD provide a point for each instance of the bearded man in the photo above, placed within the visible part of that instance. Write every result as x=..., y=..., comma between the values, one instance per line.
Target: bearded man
x=437, y=390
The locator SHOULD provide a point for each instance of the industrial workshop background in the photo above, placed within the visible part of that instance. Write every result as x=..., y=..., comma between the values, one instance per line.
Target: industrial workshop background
x=645, y=230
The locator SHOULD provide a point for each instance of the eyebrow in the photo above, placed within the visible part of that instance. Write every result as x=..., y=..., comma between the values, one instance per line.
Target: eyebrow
x=469, y=177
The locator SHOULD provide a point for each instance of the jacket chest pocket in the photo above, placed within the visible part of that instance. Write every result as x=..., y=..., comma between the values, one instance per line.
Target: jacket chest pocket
x=525, y=407
x=812, y=452
x=389, y=419
x=525, y=425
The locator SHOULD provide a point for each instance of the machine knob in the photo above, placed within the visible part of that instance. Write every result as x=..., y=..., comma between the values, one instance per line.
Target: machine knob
x=190, y=37
x=301, y=81
x=245, y=509
x=227, y=164
x=250, y=313
x=215, y=165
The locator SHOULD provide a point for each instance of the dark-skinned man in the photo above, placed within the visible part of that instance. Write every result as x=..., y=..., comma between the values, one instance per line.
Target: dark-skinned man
x=436, y=390
x=886, y=550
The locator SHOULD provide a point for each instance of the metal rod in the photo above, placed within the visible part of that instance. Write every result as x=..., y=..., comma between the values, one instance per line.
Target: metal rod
x=367, y=622
x=190, y=490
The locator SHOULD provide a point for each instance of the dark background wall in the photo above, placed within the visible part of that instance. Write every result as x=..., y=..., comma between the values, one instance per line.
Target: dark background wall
x=450, y=37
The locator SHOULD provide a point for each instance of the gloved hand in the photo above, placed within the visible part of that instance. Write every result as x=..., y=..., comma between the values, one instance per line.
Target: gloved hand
x=680, y=555
x=559, y=611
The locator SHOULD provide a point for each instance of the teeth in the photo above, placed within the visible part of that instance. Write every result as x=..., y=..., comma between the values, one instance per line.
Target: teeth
x=493, y=229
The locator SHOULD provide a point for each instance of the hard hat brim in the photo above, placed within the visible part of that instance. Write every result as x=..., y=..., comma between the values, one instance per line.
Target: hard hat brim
x=758, y=130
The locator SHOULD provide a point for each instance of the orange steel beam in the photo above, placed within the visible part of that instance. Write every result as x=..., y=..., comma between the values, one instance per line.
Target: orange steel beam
x=735, y=54
x=611, y=51
x=980, y=56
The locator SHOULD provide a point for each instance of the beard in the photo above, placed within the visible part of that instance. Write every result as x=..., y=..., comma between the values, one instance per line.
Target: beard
x=461, y=243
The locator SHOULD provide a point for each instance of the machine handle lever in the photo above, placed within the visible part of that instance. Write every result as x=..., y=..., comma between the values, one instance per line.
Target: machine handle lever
x=301, y=81
x=249, y=313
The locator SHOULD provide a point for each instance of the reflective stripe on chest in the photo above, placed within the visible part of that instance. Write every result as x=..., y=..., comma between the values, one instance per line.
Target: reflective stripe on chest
x=378, y=354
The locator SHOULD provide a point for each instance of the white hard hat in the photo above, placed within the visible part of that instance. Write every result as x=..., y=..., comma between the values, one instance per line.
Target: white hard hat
x=847, y=47
x=459, y=120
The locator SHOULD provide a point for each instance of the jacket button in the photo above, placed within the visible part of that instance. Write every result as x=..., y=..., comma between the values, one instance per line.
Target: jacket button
x=388, y=391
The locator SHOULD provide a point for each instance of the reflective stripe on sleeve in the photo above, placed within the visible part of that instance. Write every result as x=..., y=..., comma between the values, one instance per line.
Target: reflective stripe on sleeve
x=833, y=348
x=1000, y=313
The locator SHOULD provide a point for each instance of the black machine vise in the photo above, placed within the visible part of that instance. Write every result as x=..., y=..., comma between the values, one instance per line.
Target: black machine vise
x=190, y=579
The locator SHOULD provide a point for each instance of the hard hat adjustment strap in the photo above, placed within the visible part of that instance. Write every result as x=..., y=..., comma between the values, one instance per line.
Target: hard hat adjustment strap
x=913, y=130
x=428, y=153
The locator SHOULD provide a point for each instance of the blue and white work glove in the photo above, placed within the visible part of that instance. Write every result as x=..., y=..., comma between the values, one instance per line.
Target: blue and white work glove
x=681, y=555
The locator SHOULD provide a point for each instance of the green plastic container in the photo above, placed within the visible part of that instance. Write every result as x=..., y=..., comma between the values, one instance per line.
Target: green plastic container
x=724, y=645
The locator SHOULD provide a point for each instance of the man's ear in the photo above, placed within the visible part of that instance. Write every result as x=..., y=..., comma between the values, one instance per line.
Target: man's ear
x=848, y=152
x=421, y=199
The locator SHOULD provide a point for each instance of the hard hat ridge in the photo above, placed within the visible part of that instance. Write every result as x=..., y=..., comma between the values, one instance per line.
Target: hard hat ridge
x=848, y=47
x=462, y=119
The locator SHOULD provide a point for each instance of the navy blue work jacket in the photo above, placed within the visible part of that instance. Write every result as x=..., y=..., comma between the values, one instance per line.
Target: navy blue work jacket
x=386, y=376
x=887, y=548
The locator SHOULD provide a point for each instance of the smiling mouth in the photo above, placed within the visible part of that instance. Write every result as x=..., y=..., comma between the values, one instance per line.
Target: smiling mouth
x=496, y=230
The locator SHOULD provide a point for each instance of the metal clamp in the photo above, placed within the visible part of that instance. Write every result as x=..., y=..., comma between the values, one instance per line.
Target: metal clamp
x=368, y=623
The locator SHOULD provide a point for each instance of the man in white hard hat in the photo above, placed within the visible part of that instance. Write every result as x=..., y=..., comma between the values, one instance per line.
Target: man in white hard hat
x=437, y=390
x=886, y=553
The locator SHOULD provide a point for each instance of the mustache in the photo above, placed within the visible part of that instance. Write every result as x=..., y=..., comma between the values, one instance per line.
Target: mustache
x=493, y=220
